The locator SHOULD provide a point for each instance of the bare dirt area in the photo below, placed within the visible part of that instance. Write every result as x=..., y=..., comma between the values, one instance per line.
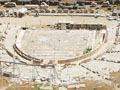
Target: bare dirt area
x=89, y=85
x=3, y=83
x=20, y=88
x=70, y=1
x=94, y=85
x=116, y=78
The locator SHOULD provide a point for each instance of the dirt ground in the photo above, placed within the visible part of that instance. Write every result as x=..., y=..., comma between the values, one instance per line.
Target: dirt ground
x=90, y=85
x=3, y=82
x=116, y=77
x=95, y=85
x=70, y=1
x=20, y=88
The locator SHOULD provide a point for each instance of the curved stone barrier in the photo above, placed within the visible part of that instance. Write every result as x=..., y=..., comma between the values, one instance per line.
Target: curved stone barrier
x=36, y=60
x=82, y=57
x=17, y=48
x=87, y=55
x=19, y=52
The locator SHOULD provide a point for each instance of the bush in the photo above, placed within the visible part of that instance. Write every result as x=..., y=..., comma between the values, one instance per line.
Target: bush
x=87, y=50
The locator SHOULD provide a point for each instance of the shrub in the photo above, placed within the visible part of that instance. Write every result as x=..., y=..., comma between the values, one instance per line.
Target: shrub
x=87, y=50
